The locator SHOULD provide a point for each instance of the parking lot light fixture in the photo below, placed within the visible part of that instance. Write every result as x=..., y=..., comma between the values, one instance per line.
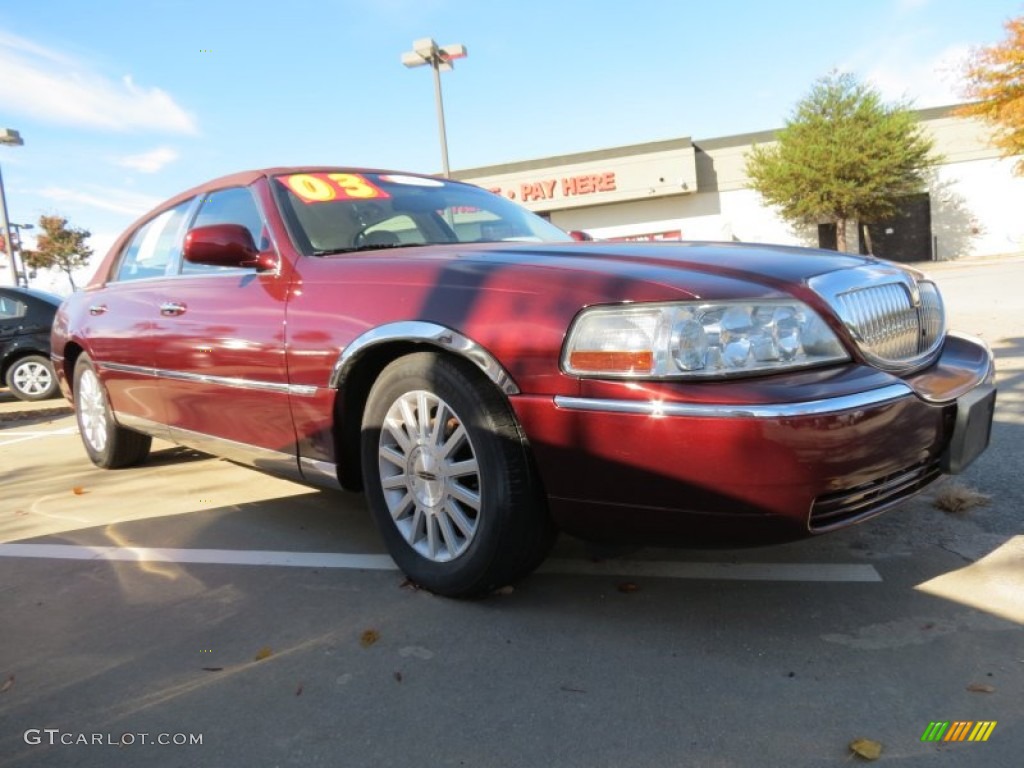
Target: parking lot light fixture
x=10, y=138
x=426, y=52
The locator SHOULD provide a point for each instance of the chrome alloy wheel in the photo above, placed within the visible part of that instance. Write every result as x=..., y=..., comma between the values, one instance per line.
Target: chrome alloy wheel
x=92, y=410
x=429, y=475
x=32, y=379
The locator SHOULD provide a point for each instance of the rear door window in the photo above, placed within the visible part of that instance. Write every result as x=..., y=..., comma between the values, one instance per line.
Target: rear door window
x=154, y=249
x=11, y=308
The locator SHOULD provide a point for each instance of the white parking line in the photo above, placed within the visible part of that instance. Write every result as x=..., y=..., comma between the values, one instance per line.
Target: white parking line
x=635, y=568
x=20, y=437
x=663, y=569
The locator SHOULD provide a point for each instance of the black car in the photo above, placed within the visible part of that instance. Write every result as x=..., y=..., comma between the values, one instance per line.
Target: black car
x=26, y=316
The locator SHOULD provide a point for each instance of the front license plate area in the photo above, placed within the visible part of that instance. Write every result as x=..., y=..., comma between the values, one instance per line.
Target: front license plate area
x=972, y=430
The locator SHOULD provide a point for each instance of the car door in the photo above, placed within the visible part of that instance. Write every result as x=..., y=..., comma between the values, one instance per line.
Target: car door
x=122, y=319
x=12, y=309
x=220, y=349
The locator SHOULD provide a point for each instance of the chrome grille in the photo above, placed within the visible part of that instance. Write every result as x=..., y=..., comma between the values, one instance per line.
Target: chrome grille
x=933, y=317
x=885, y=320
x=897, y=322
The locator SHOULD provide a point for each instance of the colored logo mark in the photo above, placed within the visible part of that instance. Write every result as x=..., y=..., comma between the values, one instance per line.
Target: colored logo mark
x=959, y=730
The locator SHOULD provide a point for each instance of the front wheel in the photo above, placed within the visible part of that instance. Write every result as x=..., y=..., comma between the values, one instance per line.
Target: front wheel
x=32, y=378
x=448, y=478
x=108, y=444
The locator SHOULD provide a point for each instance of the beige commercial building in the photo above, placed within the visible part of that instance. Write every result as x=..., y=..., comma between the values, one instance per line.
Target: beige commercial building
x=688, y=189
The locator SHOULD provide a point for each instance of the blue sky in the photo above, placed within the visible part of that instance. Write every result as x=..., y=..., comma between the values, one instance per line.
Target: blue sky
x=122, y=104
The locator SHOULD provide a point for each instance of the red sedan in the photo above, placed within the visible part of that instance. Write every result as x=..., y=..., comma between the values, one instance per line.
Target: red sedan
x=488, y=381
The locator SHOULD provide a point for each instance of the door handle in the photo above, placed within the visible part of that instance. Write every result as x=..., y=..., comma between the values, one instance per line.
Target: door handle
x=171, y=308
x=97, y=309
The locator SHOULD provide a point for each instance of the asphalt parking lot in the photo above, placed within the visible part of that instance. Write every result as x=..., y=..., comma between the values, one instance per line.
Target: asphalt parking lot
x=193, y=600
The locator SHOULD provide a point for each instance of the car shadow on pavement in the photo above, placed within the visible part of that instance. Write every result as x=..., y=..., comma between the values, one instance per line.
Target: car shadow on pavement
x=32, y=417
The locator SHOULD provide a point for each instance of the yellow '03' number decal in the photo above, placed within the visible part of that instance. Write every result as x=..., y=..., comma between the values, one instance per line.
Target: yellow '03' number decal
x=324, y=187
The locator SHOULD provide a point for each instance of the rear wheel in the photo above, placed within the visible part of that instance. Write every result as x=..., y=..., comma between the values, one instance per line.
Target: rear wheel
x=109, y=445
x=448, y=478
x=32, y=378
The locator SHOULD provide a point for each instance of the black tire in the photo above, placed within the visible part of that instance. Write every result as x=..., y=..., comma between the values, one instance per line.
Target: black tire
x=32, y=378
x=490, y=527
x=108, y=444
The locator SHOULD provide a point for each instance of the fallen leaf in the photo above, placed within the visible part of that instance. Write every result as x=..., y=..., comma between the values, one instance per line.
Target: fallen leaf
x=398, y=677
x=213, y=669
x=628, y=586
x=957, y=498
x=981, y=688
x=410, y=584
x=508, y=589
x=8, y=684
x=866, y=748
x=78, y=490
x=298, y=691
x=264, y=653
x=369, y=637
x=20, y=512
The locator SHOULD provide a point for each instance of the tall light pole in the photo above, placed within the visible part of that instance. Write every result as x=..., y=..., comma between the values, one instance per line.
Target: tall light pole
x=17, y=250
x=9, y=138
x=426, y=51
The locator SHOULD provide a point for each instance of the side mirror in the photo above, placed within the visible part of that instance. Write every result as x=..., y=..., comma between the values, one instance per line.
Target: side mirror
x=226, y=245
x=580, y=235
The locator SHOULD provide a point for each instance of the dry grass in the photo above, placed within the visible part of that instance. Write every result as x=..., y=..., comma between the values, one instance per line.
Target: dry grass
x=958, y=499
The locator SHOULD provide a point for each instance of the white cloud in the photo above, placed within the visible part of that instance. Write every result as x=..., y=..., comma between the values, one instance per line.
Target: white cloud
x=149, y=162
x=50, y=86
x=116, y=200
x=900, y=69
x=928, y=82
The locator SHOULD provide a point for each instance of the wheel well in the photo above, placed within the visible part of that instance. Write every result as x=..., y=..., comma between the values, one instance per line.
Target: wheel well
x=355, y=390
x=71, y=354
x=350, y=403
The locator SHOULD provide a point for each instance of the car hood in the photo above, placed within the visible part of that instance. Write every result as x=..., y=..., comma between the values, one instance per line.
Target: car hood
x=754, y=262
x=772, y=266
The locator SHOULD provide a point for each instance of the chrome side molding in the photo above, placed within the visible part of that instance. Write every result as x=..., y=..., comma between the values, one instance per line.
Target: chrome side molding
x=867, y=399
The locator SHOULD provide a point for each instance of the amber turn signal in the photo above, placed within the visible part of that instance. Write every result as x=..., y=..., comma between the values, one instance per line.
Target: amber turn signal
x=612, y=362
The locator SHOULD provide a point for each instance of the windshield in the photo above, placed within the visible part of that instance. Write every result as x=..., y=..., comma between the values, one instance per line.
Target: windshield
x=341, y=212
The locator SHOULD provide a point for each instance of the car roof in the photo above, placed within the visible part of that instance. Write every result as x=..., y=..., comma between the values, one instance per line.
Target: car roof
x=245, y=178
x=49, y=298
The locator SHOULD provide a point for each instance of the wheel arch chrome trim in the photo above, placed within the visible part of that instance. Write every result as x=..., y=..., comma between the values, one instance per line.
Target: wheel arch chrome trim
x=880, y=396
x=423, y=332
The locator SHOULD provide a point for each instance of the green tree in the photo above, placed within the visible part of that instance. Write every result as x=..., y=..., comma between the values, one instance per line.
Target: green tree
x=842, y=156
x=59, y=247
x=995, y=83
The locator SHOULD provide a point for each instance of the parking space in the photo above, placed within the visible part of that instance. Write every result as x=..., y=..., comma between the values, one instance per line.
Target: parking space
x=190, y=596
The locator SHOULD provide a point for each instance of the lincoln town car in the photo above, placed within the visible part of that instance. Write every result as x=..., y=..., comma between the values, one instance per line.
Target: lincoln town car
x=487, y=381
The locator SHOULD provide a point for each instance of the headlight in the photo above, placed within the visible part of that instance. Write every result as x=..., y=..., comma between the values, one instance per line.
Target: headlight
x=697, y=339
